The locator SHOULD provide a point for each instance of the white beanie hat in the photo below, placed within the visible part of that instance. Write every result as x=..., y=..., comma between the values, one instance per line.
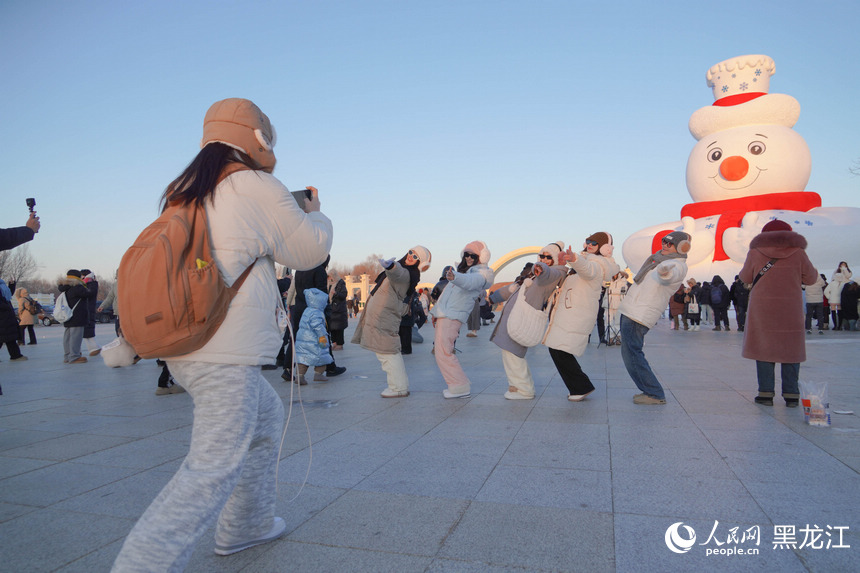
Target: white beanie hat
x=423, y=254
x=553, y=249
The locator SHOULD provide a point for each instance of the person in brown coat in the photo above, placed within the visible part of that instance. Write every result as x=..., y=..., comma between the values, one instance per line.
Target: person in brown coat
x=776, y=266
x=677, y=308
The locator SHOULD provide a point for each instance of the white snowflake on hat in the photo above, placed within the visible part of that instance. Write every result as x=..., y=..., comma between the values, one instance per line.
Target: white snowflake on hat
x=748, y=167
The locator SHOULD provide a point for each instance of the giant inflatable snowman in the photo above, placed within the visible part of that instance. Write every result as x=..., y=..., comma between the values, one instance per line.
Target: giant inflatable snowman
x=749, y=167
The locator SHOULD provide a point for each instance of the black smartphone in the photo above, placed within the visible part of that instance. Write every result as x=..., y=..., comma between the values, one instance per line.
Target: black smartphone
x=31, y=203
x=302, y=196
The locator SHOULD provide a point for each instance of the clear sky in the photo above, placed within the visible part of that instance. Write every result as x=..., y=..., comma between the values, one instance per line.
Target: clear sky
x=517, y=123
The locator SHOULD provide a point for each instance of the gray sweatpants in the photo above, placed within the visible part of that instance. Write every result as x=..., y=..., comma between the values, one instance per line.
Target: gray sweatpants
x=230, y=468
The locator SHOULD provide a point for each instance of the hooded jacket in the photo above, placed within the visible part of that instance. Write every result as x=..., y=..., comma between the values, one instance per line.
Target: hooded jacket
x=575, y=311
x=77, y=297
x=311, y=328
x=774, y=329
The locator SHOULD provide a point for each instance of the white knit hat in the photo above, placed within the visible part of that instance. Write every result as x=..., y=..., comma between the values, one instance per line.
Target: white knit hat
x=553, y=249
x=423, y=254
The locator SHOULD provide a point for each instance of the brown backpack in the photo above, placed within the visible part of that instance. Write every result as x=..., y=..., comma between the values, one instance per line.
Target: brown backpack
x=171, y=296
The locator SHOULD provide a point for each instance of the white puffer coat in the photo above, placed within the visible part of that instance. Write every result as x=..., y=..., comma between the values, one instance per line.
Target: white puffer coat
x=253, y=217
x=575, y=311
x=833, y=291
x=646, y=301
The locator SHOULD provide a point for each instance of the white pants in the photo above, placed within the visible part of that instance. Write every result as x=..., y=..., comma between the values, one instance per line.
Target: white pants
x=394, y=367
x=230, y=469
x=519, y=375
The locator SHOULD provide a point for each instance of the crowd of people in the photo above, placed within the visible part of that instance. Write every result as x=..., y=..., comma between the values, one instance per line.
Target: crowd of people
x=227, y=479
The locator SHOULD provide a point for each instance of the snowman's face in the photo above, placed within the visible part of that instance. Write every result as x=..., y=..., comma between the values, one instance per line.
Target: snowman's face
x=748, y=160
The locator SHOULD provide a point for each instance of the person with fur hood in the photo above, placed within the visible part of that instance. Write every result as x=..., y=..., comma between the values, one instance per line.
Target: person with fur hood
x=536, y=291
x=776, y=266
x=659, y=277
x=378, y=328
x=78, y=295
x=575, y=310
x=451, y=312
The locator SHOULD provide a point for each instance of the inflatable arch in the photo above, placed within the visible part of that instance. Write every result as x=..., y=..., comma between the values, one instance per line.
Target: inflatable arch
x=500, y=263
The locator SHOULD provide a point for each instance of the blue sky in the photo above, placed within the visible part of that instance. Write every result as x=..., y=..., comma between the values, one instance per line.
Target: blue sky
x=516, y=123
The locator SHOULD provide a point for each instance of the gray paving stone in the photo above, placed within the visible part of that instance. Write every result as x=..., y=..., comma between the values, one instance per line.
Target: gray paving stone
x=535, y=538
x=383, y=522
x=427, y=484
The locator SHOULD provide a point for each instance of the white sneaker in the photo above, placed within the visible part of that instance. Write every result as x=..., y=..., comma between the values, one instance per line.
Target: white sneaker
x=448, y=394
x=516, y=396
x=278, y=529
x=578, y=397
x=389, y=393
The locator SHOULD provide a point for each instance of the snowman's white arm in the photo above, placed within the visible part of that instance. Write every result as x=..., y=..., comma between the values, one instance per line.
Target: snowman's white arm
x=702, y=241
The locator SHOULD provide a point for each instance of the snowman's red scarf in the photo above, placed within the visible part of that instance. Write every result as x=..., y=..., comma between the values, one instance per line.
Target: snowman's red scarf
x=732, y=211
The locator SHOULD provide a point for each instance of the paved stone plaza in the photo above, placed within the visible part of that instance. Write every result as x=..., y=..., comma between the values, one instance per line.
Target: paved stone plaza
x=479, y=484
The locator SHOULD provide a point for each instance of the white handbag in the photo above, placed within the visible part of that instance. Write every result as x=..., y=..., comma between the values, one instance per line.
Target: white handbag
x=527, y=324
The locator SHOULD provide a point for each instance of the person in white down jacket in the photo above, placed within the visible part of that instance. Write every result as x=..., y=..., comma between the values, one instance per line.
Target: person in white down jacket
x=228, y=478
x=658, y=279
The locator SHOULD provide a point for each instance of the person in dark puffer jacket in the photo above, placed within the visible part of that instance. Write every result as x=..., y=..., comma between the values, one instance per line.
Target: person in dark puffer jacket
x=77, y=297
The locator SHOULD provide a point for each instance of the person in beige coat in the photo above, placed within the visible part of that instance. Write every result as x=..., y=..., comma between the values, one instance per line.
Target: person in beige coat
x=26, y=315
x=575, y=312
x=378, y=328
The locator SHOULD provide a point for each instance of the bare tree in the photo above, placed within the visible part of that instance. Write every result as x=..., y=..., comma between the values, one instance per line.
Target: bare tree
x=855, y=167
x=17, y=265
x=370, y=266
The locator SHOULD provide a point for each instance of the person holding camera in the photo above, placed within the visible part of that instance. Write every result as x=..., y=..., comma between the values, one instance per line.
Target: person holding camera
x=9, y=239
x=228, y=478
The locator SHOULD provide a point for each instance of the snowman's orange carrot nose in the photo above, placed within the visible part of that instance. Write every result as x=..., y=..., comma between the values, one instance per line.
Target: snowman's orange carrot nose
x=734, y=168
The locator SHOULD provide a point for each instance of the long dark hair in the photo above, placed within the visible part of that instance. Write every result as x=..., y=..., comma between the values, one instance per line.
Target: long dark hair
x=464, y=266
x=199, y=179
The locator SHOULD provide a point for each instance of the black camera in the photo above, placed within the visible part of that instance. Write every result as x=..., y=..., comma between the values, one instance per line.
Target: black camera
x=31, y=203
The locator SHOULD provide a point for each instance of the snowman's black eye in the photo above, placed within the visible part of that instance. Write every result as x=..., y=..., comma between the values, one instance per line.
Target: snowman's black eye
x=756, y=148
x=715, y=154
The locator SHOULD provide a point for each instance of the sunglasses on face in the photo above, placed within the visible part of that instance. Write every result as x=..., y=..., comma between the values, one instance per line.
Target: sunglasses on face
x=543, y=256
x=413, y=254
x=592, y=243
x=472, y=256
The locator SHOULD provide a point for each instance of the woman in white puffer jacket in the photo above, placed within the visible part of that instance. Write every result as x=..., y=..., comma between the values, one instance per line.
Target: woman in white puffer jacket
x=575, y=311
x=833, y=292
x=228, y=477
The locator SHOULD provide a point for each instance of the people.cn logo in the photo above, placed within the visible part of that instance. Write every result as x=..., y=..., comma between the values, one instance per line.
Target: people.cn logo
x=676, y=542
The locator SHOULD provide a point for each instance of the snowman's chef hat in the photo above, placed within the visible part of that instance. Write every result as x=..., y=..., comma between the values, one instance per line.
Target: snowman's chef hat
x=741, y=97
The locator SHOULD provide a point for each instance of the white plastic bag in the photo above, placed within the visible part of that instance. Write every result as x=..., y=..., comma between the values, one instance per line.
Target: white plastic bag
x=118, y=353
x=816, y=404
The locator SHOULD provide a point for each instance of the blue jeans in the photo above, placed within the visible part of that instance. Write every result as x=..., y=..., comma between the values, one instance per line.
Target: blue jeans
x=789, y=374
x=632, y=340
